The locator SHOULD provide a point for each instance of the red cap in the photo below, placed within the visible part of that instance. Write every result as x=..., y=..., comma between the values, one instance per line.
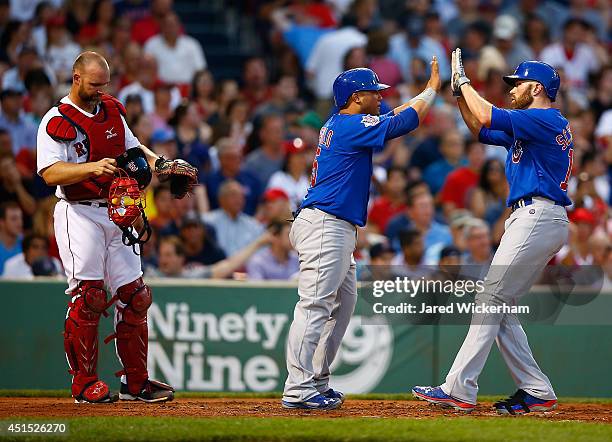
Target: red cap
x=275, y=193
x=583, y=215
x=293, y=146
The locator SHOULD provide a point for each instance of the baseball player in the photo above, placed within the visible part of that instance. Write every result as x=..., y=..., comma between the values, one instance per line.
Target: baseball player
x=324, y=230
x=538, y=167
x=78, y=141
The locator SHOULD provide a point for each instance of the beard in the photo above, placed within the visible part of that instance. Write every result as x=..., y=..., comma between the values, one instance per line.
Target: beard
x=91, y=99
x=523, y=101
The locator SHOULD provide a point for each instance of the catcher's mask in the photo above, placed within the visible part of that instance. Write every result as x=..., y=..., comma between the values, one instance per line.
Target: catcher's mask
x=126, y=203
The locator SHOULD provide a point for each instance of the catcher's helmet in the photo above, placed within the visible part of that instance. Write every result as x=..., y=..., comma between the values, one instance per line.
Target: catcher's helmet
x=355, y=80
x=538, y=71
x=134, y=163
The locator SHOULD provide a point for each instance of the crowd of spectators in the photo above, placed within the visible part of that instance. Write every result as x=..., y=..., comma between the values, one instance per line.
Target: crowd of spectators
x=437, y=194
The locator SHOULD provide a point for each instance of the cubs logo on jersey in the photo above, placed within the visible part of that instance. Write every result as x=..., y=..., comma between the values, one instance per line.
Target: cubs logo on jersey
x=517, y=152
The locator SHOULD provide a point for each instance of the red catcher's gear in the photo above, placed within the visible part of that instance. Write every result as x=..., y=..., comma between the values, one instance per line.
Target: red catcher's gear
x=81, y=333
x=125, y=200
x=132, y=334
x=104, y=138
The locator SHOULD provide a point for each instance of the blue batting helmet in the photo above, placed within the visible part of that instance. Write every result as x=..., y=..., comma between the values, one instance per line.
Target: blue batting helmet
x=538, y=71
x=355, y=80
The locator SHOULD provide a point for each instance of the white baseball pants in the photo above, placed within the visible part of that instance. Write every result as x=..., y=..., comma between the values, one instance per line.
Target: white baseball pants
x=327, y=288
x=533, y=235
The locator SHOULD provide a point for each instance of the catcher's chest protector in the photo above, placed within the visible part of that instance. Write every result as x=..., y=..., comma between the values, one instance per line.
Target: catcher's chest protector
x=104, y=138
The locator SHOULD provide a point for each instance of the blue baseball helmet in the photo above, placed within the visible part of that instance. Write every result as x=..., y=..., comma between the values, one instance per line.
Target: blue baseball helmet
x=538, y=71
x=355, y=80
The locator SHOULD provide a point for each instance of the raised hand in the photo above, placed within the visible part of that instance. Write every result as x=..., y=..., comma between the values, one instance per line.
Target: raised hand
x=434, y=78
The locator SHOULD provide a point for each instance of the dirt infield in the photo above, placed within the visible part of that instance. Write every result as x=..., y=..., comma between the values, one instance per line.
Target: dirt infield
x=64, y=407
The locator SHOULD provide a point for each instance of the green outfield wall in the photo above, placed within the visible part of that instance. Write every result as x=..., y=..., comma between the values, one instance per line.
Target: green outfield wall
x=231, y=336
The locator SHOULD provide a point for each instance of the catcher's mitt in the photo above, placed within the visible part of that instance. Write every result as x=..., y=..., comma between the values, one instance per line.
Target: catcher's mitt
x=182, y=175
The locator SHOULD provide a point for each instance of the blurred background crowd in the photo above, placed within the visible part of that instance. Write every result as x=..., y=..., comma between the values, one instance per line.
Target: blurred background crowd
x=240, y=89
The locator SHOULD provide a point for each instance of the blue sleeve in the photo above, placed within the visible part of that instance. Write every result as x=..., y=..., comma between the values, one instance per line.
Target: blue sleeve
x=402, y=123
x=495, y=137
x=501, y=121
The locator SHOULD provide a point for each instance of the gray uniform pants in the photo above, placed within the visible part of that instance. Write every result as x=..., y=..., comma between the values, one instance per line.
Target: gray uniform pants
x=327, y=288
x=533, y=235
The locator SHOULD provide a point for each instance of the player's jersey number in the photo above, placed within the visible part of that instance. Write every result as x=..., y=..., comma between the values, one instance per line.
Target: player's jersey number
x=325, y=137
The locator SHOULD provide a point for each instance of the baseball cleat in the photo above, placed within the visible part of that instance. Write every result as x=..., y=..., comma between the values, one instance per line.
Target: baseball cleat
x=318, y=402
x=522, y=402
x=333, y=394
x=97, y=392
x=435, y=395
x=153, y=391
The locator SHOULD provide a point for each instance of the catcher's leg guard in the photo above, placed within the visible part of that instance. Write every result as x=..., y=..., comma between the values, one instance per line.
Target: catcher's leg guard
x=81, y=342
x=132, y=344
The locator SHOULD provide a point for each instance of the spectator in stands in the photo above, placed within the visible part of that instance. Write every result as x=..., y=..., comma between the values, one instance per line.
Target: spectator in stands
x=419, y=215
x=42, y=223
x=294, y=175
x=488, y=199
x=15, y=36
x=602, y=99
x=308, y=129
x=413, y=43
x=278, y=260
x=392, y=202
x=275, y=206
x=162, y=108
x=163, y=216
x=178, y=56
x=459, y=183
x=325, y=62
x=163, y=142
x=578, y=249
x=536, y=34
x=99, y=27
x=234, y=228
x=200, y=244
x=172, y=260
x=284, y=98
x=575, y=56
x=202, y=93
x=387, y=69
x=410, y=261
x=26, y=264
x=509, y=42
x=479, y=252
x=256, y=89
x=230, y=167
x=192, y=135
x=20, y=128
x=269, y=156
x=27, y=60
x=11, y=231
x=457, y=222
x=150, y=25
x=142, y=127
x=14, y=188
x=146, y=83
x=451, y=148
x=60, y=50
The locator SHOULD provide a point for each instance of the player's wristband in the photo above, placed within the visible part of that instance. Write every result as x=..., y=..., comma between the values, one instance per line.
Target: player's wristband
x=428, y=96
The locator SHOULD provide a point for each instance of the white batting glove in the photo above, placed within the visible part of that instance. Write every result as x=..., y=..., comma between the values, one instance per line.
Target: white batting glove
x=458, y=77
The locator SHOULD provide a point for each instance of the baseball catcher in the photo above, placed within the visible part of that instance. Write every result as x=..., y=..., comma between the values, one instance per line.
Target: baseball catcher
x=87, y=150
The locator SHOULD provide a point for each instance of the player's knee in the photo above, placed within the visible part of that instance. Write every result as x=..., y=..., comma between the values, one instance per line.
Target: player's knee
x=136, y=296
x=93, y=294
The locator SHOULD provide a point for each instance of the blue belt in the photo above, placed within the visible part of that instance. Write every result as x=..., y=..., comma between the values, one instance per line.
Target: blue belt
x=527, y=201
